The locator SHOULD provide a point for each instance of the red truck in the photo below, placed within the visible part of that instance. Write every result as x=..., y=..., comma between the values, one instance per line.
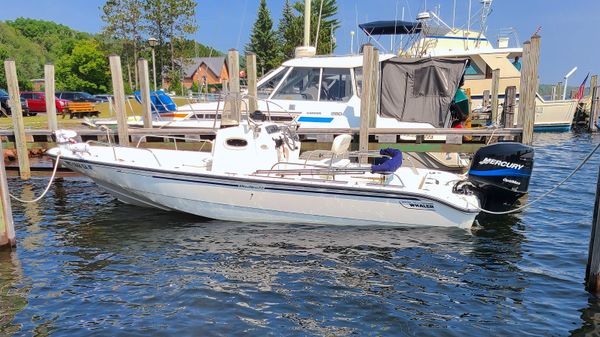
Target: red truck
x=37, y=102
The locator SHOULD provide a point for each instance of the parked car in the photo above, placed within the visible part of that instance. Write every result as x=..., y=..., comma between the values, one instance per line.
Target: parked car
x=77, y=96
x=37, y=102
x=104, y=97
x=5, y=109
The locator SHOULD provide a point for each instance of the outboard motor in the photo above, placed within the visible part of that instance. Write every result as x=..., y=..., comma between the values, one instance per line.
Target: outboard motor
x=500, y=174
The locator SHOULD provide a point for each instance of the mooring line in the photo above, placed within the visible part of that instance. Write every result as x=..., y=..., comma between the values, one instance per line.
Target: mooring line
x=585, y=160
x=47, y=187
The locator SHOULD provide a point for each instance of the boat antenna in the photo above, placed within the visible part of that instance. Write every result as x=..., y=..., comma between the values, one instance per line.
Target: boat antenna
x=453, y=14
x=469, y=24
x=319, y=24
x=393, y=37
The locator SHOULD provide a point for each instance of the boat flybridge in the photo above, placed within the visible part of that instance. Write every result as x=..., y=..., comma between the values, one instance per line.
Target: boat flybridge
x=254, y=173
x=430, y=36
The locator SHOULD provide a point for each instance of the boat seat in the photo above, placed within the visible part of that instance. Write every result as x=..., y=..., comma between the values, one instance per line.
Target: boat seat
x=341, y=144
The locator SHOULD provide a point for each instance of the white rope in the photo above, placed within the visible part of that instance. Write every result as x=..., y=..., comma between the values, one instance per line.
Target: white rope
x=47, y=187
x=543, y=195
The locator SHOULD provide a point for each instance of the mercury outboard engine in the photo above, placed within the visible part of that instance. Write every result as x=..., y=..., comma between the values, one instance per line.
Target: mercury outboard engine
x=500, y=174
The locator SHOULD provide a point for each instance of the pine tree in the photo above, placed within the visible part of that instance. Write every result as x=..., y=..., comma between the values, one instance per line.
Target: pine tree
x=328, y=26
x=288, y=29
x=263, y=41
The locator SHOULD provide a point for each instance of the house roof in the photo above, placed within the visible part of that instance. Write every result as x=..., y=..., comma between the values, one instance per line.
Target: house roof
x=213, y=63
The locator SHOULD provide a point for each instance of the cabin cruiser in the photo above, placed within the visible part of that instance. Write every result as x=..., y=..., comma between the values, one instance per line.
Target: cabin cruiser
x=254, y=173
x=430, y=36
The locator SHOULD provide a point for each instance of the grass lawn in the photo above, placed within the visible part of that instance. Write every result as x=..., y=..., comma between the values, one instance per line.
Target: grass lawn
x=40, y=121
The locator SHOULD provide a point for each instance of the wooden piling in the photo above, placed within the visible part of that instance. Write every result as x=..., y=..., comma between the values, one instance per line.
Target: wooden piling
x=523, y=83
x=251, y=75
x=593, y=83
x=7, y=228
x=144, y=81
x=527, y=107
x=119, y=95
x=375, y=89
x=233, y=101
x=486, y=98
x=50, y=97
x=508, y=110
x=594, y=109
x=592, y=269
x=365, y=101
x=559, y=91
x=495, y=88
x=17, y=118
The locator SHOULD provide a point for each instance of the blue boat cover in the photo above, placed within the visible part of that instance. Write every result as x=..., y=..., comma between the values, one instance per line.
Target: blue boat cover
x=388, y=164
x=161, y=102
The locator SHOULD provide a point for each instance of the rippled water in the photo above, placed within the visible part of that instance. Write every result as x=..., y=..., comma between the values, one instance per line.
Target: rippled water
x=88, y=265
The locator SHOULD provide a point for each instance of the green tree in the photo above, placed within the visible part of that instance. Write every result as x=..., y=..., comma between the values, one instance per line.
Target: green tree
x=28, y=56
x=263, y=41
x=169, y=20
x=85, y=69
x=288, y=29
x=123, y=21
x=54, y=39
x=323, y=20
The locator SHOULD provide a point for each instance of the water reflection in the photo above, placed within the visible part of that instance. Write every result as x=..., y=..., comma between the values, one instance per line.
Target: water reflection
x=13, y=292
x=108, y=268
x=590, y=317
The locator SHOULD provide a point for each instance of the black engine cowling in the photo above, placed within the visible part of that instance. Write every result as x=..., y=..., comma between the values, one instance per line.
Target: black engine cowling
x=500, y=173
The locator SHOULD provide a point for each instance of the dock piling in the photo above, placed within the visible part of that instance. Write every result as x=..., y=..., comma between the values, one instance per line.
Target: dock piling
x=365, y=102
x=593, y=113
x=592, y=269
x=251, y=75
x=119, y=95
x=523, y=83
x=144, y=79
x=508, y=110
x=17, y=119
x=485, y=101
x=594, y=109
x=529, y=75
x=7, y=228
x=50, y=96
x=233, y=97
x=495, y=88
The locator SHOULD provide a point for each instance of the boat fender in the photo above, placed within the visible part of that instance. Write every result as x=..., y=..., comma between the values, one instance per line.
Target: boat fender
x=391, y=163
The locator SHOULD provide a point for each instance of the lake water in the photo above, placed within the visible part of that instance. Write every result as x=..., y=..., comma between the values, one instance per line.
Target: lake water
x=88, y=265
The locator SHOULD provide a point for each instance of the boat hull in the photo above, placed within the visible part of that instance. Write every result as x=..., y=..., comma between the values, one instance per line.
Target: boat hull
x=247, y=199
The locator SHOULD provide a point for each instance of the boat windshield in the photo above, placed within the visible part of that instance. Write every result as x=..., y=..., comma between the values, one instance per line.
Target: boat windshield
x=312, y=84
x=302, y=84
x=265, y=89
x=336, y=85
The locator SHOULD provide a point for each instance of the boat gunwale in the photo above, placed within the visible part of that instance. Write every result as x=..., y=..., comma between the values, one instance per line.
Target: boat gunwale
x=388, y=194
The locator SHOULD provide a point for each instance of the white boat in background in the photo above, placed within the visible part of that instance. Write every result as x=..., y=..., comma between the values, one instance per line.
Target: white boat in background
x=254, y=174
x=430, y=36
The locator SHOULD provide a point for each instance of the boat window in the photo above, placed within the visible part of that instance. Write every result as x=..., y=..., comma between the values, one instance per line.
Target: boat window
x=336, y=85
x=431, y=81
x=301, y=84
x=473, y=69
x=358, y=79
x=265, y=89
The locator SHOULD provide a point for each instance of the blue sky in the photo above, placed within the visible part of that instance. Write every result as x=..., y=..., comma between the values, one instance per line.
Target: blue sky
x=568, y=28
